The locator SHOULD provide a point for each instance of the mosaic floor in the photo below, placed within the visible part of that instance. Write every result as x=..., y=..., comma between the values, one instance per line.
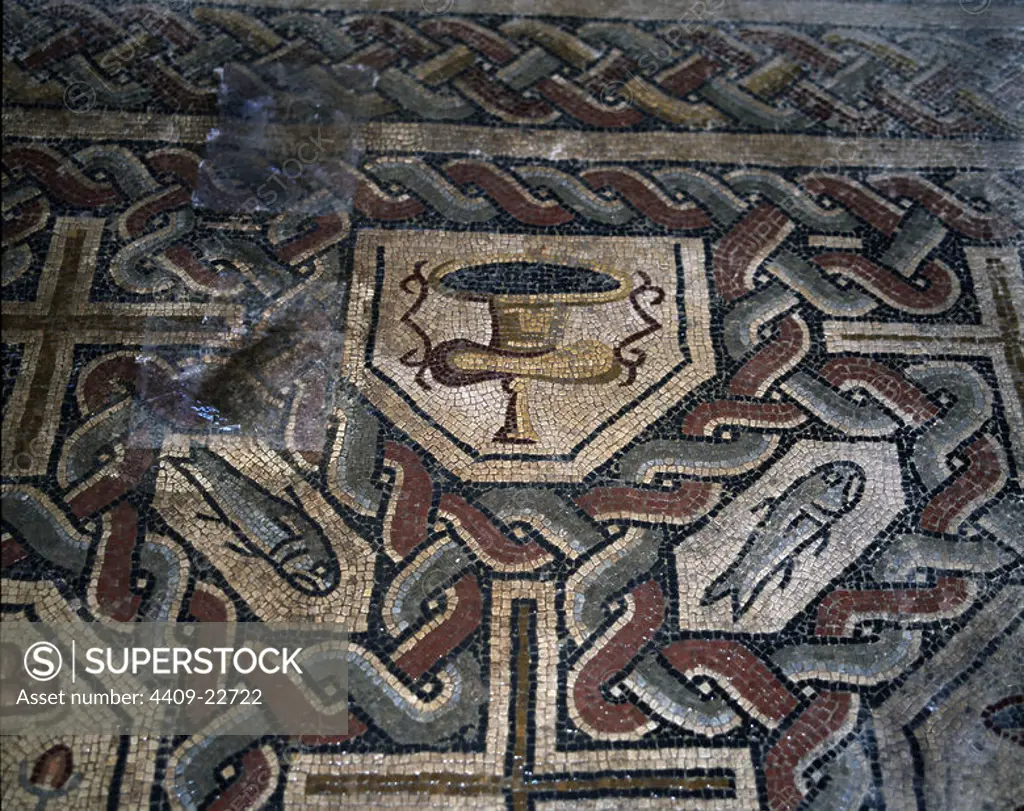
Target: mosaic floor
x=642, y=386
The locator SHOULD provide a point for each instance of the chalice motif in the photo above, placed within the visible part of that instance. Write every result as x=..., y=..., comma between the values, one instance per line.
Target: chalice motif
x=529, y=302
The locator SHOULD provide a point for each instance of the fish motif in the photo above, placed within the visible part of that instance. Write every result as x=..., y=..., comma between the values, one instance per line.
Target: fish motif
x=265, y=526
x=792, y=524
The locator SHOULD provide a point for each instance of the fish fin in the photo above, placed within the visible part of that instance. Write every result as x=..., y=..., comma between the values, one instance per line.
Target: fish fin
x=825, y=538
x=741, y=602
x=291, y=498
x=289, y=523
x=787, y=574
x=240, y=550
x=716, y=591
x=763, y=508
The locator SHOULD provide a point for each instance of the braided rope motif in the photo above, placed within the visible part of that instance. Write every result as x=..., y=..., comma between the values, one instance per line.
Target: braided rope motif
x=459, y=69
